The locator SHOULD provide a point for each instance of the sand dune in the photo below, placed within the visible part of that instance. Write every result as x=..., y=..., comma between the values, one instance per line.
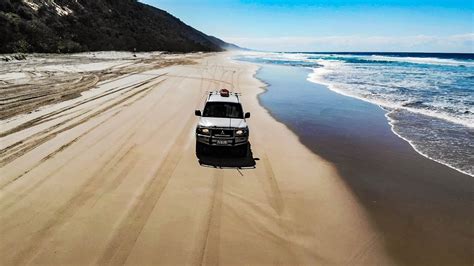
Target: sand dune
x=111, y=177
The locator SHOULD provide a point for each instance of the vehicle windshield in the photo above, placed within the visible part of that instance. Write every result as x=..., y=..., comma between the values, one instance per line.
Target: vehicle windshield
x=223, y=109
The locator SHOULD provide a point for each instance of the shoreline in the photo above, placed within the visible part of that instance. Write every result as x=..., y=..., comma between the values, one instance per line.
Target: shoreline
x=390, y=122
x=423, y=108
x=356, y=173
x=331, y=87
x=310, y=78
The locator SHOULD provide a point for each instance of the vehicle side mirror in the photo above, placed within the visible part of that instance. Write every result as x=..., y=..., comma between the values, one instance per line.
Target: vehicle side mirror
x=197, y=113
x=247, y=115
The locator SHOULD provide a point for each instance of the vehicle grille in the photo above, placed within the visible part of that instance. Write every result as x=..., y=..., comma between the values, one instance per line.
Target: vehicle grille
x=222, y=132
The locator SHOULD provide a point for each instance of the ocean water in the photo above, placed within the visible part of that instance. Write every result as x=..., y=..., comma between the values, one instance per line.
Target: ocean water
x=429, y=98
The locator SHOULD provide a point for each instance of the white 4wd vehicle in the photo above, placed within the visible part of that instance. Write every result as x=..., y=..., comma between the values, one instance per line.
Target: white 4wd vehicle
x=222, y=123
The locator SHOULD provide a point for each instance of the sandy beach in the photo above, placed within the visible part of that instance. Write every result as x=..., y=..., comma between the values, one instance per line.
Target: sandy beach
x=111, y=177
x=421, y=207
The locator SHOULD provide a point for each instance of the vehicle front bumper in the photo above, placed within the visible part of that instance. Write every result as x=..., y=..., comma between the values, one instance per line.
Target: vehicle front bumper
x=222, y=141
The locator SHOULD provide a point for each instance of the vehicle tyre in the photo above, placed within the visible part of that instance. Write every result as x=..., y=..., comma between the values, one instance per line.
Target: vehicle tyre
x=243, y=150
x=200, y=149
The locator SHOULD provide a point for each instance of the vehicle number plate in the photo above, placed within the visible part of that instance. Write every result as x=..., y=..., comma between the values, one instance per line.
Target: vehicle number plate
x=222, y=142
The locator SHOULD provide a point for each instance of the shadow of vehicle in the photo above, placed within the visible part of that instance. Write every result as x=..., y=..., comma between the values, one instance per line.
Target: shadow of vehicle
x=226, y=157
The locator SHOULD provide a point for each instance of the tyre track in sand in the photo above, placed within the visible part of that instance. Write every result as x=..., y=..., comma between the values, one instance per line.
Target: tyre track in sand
x=13, y=147
x=11, y=106
x=129, y=229
x=275, y=200
x=270, y=186
x=208, y=251
x=64, y=146
x=9, y=154
x=51, y=155
x=122, y=139
x=43, y=118
x=63, y=214
x=43, y=85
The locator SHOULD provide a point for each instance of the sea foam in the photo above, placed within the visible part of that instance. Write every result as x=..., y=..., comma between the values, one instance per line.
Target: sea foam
x=429, y=100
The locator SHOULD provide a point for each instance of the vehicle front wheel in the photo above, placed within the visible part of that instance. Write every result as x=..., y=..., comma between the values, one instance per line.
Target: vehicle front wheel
x=243, y=150
x=201, y=148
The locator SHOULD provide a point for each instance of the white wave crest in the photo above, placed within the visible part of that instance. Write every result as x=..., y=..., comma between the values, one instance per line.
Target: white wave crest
x=423, y=60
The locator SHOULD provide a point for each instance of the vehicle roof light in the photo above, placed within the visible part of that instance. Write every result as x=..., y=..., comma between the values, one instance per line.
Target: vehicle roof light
x=224, y=93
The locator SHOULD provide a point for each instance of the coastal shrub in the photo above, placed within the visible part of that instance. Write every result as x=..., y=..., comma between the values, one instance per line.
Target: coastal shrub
x=6, y=6
x=68, y=46
x=96, y=25
x=24, y=12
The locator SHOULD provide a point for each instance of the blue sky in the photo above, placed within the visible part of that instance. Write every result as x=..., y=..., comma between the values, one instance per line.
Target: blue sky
x=332, y=25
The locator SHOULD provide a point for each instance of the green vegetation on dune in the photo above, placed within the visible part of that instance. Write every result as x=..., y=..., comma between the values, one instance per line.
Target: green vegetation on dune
x=66, y=26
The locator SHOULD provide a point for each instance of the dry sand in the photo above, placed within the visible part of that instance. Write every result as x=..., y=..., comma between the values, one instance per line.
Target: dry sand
x=47, y=79
x=111, y=177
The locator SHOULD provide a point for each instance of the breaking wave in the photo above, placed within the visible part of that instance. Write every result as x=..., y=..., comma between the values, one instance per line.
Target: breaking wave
x=430, y=99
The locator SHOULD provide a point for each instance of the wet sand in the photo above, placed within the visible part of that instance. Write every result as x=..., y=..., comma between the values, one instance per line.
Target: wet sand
x=111, y=177
x=423, y=209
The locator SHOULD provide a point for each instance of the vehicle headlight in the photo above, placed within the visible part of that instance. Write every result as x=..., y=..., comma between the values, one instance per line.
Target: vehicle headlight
x=239, y=132
x=205, y=131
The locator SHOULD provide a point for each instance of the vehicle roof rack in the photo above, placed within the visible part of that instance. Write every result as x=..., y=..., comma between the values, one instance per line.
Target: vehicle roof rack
x=219, y=92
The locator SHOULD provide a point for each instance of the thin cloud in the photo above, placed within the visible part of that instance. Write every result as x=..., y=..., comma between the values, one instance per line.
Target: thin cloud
x=418, y=43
